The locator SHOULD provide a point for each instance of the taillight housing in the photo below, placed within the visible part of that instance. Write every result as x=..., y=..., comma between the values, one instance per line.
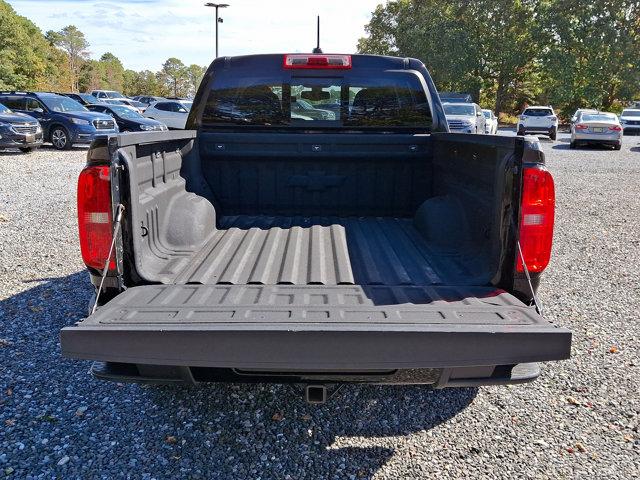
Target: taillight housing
x=537, y=215
x=615, y=128
x=95, y=218
x=314, y=61
x=581, y=126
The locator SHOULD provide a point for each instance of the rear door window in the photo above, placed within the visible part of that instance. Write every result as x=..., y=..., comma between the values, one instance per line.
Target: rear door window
x=163, y=106
x=13, y=103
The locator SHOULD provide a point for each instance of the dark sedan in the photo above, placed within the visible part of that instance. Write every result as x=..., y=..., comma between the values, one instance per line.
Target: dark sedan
x=128, y=119
x=18, y=130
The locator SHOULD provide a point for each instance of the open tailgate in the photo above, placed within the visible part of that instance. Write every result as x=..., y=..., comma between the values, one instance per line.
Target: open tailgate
x=315, y=328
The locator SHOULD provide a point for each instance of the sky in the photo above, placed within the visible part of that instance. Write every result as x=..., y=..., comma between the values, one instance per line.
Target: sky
x=144, y=33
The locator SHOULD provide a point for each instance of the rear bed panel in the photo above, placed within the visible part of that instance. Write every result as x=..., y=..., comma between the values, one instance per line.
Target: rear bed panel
x=307, y=327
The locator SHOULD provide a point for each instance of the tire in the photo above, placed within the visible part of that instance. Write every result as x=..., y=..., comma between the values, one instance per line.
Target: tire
x=520, y=132
x=618, y=146
x=28, y=149
x=572, y=145
x=553, y=134
x=60, y=138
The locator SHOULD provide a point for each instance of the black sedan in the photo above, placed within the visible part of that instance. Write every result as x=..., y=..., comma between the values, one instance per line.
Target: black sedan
x=128, y=119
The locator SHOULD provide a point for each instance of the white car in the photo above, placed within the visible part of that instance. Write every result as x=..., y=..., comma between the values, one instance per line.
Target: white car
x=173, y=113
x=630, y=120
x=464, y=117
x=103, y=95
x=599, y=127
x=491, y=122
x=540, y=120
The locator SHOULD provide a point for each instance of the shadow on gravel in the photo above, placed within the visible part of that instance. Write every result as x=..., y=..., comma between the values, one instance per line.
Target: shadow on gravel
x=213, y=431
x=635, y=149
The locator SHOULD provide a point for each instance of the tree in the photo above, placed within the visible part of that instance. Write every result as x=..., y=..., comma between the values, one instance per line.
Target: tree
x=195, y=73
x=72, y=41
x=27, y=60
x=113, y=72
x=174, y=76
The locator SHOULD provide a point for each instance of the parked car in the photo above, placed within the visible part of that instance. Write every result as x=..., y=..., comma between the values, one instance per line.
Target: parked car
x=600, y=127
x=64, y=121
x=456, y=97
x=82, y=98
x=147, y=100
x=577, y=113
x=173, y=113
x=128, y=120
x=491, y=122
x=133, y=105
x=540, y=120
x=18, y=130
x=377, y=249
x=108, y=95
x=630, y=121
x=464, y=117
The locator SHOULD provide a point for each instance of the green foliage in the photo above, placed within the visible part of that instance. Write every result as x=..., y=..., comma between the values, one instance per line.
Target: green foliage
x=510, y=53
x=72, y=41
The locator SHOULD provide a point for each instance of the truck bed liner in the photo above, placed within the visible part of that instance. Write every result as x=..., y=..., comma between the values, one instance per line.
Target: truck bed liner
x=321, y=251
x=316, y=327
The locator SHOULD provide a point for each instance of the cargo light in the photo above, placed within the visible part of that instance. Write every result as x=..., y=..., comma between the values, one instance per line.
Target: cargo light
x=95, y=217
x=537, y=215
x=307, y=61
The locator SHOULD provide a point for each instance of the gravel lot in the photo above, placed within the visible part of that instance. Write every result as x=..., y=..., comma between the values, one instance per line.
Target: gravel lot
x=579, y=420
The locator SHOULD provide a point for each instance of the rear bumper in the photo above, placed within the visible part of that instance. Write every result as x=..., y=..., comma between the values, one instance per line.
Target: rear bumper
x=610, y=138
x=303, y=329
x=546, y=130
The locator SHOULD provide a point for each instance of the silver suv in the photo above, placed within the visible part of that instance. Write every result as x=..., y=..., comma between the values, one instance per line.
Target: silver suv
x=464, y=117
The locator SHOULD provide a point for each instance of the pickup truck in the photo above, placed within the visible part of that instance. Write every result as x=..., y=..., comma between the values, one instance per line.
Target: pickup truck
x=372, y=247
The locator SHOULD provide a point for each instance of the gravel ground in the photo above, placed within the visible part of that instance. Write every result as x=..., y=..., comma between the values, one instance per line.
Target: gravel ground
x=579, y=420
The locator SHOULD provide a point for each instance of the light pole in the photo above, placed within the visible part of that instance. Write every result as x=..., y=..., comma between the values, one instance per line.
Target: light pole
x=218, y=19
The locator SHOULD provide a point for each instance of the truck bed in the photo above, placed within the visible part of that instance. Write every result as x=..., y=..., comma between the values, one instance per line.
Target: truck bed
x=272, y=250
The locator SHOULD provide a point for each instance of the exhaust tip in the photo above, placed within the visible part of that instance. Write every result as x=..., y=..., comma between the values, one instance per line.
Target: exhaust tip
x=315, y=394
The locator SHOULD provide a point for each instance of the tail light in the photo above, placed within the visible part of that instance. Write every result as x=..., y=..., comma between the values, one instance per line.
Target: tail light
x=581, y=126
x=95, y=216
x=537, y=218
x=340, y=62
x=553, y=117
x=615, y=128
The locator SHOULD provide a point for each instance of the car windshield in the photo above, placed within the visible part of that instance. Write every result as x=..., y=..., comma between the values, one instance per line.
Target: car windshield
x=459, y=109
x=350, y=99
x=113, y=94
x=62, y=104
x=598, y=117
x=4, y=109
x=125, y=112
x=537, y=112
x=630, y=113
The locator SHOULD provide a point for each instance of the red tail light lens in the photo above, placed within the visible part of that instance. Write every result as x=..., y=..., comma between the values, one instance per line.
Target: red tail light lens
x=537, y=218
x=95, y=217
x=615, y=128
x=340, y=62
x=580, y=126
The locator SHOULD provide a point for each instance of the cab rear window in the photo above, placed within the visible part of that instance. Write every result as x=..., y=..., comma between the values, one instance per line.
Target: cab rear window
x=388, y=101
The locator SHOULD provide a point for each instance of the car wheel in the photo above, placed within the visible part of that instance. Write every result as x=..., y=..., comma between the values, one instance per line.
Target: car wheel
x=60, y=138
x=28, y=149
x=553, y=134
x=572, y=145
x=618, y=146
x=520, y=132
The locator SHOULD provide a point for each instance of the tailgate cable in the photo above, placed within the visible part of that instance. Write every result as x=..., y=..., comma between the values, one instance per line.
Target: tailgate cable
x=536, y=302
x=116, y=229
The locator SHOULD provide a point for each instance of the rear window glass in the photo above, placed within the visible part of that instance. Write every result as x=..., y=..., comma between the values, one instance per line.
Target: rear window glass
x=537, y=112
x=378, y=101
x=598, y=117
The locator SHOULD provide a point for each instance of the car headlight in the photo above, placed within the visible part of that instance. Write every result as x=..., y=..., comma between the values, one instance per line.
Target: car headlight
x=79, y=121
x=147, y=127
x=621, y=121
x=39, y=129
x=3, y=125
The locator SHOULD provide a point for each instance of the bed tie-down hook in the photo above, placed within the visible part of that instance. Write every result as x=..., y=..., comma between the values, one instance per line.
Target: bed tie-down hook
x=116, y=230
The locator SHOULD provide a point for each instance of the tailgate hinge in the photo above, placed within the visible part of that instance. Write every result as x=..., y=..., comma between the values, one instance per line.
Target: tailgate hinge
x=536, y=302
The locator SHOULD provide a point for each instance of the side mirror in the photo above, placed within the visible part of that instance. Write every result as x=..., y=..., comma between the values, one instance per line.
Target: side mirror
x=478, y=114
x=38, y=110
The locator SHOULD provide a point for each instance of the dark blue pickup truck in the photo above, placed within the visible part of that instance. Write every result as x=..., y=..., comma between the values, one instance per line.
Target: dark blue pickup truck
x=64, y=121
x=264, y=245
